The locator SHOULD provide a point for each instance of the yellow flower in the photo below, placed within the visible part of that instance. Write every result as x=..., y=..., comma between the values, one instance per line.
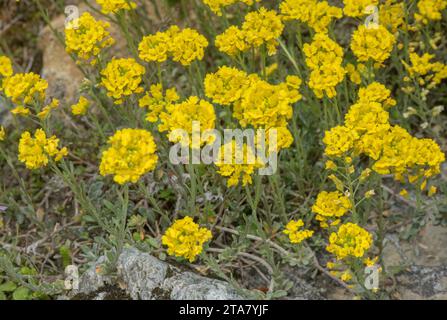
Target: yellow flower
x=157, y=101
x=25, y=88
x=36, y=152
x=2, y=133
x=331, y=205
x=231, y=41
x=324, y=57
x=392, y=15
x=372, y=43
x=349, y=241
x=295, y=234
x=5, y=67
x=353, y=73
x=48, y=108
x=376, y=92
x=430, y=10
x=357, y=8
x=425, y=71
x=86, y=37
x=122, y=78
x=187, y=45
x=217, y=5
x=155, y=47
x=21, y=111
x=131, y=154
x=81, y=107
x=330, y=165
x=339, y=141
x=113, y=6
x=432, y=191
x=237, y=162
x=317, y=14
x=181, y=117
x=226, y=86
x=184, y=238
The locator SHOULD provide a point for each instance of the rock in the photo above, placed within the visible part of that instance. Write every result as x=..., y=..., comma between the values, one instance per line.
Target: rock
x=142, y=276
x=421, y=282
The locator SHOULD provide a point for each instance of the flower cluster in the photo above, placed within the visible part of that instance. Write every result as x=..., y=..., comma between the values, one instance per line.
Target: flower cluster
x=81, y=107
x=296, y=233
x=25, y=88
x=376, y=92
x=218, y=5
x=184, y=238
x=86, y=37
x=426, y=72
x=357, y=8
x=122, y=78
x=131, y=154
x=238, y=163
x=226, y=86
x=330, y=207
x=372, y=43
x=157, y=102
x=262, y=27
x=324, y=57
x=430, y=10
x=114, y=6
x=5, y=67
x=349, y=241
x=36, y=152
x=392, y=15
x=183, y=46
x=181, y=116
x=316, y=14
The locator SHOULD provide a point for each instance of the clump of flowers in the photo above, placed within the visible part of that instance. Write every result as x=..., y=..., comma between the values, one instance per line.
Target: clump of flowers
x=294, y=229
x=317, y=14
x=426, y=72
x=350, y=241
x=430, y=10
x=113, y=6
x=373, y=44
x=157, y=101
x=217, y=5
x=262, y=27
x=185, y=238
x=36, y=152
x=86, y=37
x=122, y=78
x=226, y=86
x=357, y=8
x=376, y=92
x=5, y=67
x=324, y=57
x=131, y=154
x=330, y=207
x=181, y=117
x=25, y=88
x=184, y=46
x=392, y=15
x=45, y=111
x=81, y=107
x=238, y=163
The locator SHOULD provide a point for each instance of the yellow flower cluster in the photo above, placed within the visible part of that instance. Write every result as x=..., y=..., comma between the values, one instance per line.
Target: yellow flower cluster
x=296, y=235
x=324, y=57
x=376, y=92
x=316, y=14
x=226, y=86
x=131, y=154
x=392, y=15
x=430, y=10
x=237, y=162
x=5, y=67
x=183, y=46
x=425, y=71
x=122, y=78
x=43, y=114
x=372, y=43
x=217, y=5
x=86, y=37
x=367, y=131
x=184, y=238
x=349, y=241
x=113, y=6
x=181, y=117
x=25, y=88
x=36, y=152
x=357, y=8
x=157, y=102
x=330, y=207
x=262, y=27
x=81, y=107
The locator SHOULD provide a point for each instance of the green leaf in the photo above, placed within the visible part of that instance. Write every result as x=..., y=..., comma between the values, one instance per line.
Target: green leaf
x=2, y=296
x=21, y=293
x=8, y=286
